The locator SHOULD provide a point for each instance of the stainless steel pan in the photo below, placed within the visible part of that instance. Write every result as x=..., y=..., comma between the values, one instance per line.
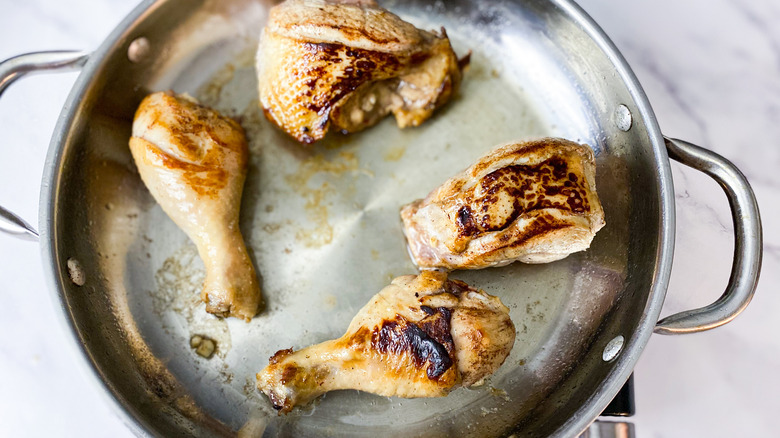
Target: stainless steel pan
x=323, y=226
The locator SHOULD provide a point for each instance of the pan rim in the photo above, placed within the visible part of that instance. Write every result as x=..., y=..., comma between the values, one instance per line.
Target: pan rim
x=634, y=346
x=53, y=265
x=56, y=275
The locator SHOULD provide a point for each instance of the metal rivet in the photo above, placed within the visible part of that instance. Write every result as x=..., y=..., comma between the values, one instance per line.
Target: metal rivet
x=613, y=348
x=623, y=118
x=138, y=49
x=76, y=272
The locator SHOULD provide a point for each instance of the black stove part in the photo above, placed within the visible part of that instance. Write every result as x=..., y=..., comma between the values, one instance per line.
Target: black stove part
x=623, y=403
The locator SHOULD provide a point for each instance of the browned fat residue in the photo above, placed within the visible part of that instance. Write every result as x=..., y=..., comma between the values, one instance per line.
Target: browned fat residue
x=316, y=206
x=427, y=342
x=279, y=355
x=395, y=154
x=505, y=194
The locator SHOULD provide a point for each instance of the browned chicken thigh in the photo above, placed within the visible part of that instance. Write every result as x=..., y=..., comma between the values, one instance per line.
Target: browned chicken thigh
x=421, y=336
x=349, y=64
x=534, y=202
x=194, y=162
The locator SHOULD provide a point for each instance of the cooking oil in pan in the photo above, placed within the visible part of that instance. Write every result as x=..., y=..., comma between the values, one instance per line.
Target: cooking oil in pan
x=322, y=226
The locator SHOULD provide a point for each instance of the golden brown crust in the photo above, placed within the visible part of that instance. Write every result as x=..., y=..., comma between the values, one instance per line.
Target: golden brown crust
x=188, y=124
x=194, y=162
x=428, y=342
x=323, y=64
x=422, y=336
x=358, y=24
x=186, y=119
x=302, y=89
x=534, y=201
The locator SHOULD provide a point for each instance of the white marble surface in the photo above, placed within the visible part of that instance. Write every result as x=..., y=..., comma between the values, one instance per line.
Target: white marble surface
x=712, y=72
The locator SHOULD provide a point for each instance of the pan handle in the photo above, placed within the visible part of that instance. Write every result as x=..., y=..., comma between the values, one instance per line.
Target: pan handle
x=747, y=242
x=12, y=69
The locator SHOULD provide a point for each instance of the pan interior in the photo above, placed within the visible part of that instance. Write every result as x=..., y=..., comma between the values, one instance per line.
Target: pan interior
x=323, y=228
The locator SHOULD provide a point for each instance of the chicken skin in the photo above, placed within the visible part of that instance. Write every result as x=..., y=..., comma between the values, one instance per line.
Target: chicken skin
x=534, y=202
x=421, y=336
x=194, y=162
x=348, y=64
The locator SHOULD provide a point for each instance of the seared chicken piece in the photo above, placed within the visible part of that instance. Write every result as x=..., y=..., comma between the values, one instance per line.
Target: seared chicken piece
x=194, y=161
x=534, y=202
x=421, y=336
x=349, y=64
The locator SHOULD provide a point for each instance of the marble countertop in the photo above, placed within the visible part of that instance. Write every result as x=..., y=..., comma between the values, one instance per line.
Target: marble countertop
x=711, y=70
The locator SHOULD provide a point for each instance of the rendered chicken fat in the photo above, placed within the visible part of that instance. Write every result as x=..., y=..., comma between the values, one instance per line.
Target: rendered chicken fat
x=348, y=64
x=534, y=202
x=421, y=336
x=194, y=162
